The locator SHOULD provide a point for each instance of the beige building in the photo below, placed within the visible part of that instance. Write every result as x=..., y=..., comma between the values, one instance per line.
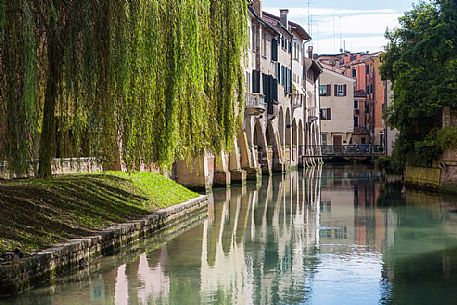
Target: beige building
x=337, y=108
x=280, y=129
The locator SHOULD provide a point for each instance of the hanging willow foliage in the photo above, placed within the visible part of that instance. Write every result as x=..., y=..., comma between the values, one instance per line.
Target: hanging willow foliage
x=143, y=81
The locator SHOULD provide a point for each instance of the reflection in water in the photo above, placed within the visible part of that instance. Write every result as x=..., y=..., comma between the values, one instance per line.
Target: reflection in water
x=337, y=235
x=257, y=250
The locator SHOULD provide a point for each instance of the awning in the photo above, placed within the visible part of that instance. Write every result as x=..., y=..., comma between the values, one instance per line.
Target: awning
x=297, y=89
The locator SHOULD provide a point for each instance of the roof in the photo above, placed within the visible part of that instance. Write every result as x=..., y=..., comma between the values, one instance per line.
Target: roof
x=360, y=93
x=294, y=27
x=339, y=75
x=263, y=22
x=312, y=64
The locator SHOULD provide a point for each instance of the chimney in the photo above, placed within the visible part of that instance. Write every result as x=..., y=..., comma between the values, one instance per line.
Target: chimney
x=283, y=17
x=347, y=58
x=257, y=6
x=310, y=52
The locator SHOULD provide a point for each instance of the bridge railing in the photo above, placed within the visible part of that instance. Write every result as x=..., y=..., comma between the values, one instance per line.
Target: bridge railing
x=344, y=150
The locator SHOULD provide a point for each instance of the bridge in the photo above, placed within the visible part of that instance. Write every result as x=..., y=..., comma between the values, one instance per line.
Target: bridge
x=343, y=151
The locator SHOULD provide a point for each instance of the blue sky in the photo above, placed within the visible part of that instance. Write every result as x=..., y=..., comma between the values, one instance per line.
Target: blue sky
x=359, y=25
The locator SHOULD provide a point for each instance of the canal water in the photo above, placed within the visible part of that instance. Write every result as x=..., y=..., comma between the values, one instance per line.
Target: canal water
x=331, y=235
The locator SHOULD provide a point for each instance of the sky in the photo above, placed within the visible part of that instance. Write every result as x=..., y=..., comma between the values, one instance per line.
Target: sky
x=353, y=25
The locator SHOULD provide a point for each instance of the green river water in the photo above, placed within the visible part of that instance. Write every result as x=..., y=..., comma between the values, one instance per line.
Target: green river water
x=331, y=235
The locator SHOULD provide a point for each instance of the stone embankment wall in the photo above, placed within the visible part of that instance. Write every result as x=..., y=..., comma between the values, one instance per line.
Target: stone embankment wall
x=442, y=176
x=58, y=167
x=42, y=267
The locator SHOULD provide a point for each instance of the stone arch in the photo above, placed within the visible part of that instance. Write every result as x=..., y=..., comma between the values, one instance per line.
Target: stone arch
x=288, y=131
x=281, y=126
x=294, y=140
x=273, y=141
x=259, y=143
x=301, y=135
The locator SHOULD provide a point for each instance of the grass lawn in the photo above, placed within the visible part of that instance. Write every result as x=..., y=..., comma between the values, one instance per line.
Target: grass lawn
x=37, y=213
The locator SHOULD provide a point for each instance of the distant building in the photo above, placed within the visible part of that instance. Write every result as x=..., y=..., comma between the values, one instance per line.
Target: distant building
x=337, y=108
x=371, y=94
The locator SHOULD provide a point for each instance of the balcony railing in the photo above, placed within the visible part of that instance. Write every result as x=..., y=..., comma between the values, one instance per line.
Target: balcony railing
x=296, y=102
x=356, y=150
x=255, y=103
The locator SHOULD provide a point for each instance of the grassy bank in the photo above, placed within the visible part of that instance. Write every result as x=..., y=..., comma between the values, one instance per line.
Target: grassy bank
x=37, y=213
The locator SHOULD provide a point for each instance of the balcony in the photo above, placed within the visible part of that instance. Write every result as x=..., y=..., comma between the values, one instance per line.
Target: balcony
x=255, y=104
x=297, y=102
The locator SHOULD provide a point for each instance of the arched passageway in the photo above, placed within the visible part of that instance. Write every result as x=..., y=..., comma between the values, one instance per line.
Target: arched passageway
x=294, y=141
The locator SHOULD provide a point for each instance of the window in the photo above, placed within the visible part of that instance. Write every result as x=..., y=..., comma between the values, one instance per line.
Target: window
x=354, y=73
x=264, y=44
x=367, y=68
x=340, y=90
x=249, y=38
x=356, y=104
x=323, y=90
x=278, y=71
x=356, y=121
x=255, y=81
x=248, y=81
x=326, y=114
x=274, y=51
x=253, y=38
x=324, y=139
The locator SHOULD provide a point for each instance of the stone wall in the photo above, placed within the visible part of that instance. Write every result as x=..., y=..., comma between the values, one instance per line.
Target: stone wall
x=448, y=167
x=423, y=176
x=42, y=267
x=443, y=176
x=58, y=167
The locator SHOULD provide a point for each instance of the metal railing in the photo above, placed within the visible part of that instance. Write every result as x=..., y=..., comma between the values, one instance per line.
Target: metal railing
x=355, y=150
x=255, y=100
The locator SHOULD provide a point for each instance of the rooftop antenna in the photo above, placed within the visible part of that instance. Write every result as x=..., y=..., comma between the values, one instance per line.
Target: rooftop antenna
x=341, y=37
x=334, y=34
x=309, y=19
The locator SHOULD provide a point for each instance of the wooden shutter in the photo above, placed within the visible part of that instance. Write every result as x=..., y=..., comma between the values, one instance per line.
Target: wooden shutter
x=336, y=90
x=255, y=81
x=329, y=90
x=265, y=86
x=282, y=76
x=290, y=81
x=278, y=71
x=274, y=50
x=275, y=90
x=329, y=113
x=345, y=90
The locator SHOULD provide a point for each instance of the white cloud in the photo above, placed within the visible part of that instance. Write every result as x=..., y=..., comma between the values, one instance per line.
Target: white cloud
x=363, y=30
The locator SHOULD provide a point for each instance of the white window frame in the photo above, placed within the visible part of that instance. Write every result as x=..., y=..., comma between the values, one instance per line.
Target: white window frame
x=339, y=90
x=323, y=92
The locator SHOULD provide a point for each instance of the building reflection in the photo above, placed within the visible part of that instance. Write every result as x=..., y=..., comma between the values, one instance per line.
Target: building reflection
x=302, y=238
x=257, y=247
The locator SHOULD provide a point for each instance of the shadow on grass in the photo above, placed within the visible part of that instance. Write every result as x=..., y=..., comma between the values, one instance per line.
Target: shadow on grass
x=36, y=213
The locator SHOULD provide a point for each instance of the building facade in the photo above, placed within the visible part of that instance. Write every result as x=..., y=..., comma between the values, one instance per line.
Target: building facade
x=337, y=108
x=281, y=125
x=370, y=93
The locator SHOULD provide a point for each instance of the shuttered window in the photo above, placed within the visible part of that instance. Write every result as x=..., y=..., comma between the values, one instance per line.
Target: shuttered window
x=255, y=81
x=278, y=71
x=275, y=90
x=274, y=50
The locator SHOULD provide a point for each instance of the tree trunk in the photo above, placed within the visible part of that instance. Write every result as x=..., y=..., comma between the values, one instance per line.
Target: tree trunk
x=55, y=61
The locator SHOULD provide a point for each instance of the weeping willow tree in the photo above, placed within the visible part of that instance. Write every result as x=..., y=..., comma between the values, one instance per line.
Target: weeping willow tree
x=142, y=81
